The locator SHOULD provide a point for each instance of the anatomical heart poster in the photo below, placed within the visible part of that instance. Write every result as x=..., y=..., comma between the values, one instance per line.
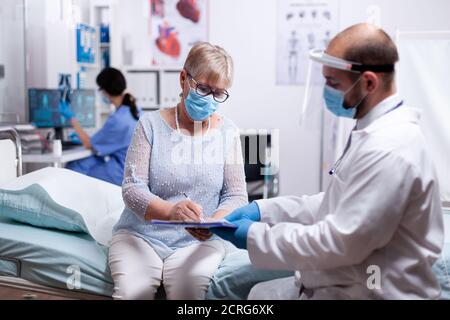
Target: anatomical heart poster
x=176, y=26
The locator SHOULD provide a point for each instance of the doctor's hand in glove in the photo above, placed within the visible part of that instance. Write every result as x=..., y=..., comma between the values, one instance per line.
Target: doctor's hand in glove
x=75, y=138
x=65, y=110
x=249, y=212
x=237, y=236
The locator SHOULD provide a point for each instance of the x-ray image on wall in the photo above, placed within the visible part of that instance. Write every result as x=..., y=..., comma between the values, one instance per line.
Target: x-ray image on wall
x=302, y=25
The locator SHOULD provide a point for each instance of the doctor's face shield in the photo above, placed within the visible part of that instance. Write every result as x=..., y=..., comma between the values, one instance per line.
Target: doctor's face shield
x=336, y=83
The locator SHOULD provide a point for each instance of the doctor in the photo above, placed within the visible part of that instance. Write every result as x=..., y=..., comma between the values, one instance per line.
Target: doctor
x=377, y=230
x=111, y=142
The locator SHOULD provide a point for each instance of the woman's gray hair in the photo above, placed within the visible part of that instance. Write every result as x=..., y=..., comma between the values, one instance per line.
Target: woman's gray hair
x=210, y=62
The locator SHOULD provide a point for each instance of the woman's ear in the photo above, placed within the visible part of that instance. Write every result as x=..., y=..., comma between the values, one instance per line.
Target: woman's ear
x=183, y=78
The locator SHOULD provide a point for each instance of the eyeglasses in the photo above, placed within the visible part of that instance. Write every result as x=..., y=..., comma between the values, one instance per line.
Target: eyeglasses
x=204, y=90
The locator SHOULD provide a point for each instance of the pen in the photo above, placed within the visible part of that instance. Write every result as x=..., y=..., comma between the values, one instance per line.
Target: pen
x=187, y=197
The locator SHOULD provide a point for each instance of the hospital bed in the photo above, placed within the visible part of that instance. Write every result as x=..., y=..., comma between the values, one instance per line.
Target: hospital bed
x=47, y=261
x=51, y=262
x=56, y=263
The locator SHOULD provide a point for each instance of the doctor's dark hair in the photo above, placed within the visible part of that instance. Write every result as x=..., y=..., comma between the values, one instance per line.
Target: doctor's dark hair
x=113, y=82
x=374, y=48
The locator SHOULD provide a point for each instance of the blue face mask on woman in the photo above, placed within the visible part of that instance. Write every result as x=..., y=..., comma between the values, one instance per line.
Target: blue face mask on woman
x=105, y=100
x=334, y=100
x=200, y=108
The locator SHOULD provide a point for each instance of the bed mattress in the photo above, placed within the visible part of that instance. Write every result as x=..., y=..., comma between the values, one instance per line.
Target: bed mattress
x=63, y=260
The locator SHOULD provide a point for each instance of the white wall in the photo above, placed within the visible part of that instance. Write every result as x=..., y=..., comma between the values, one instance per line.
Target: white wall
x=399, y=14
x=423, y=78
x=12, y=53
x=247, y=29
x=131, y=32
x=51, y=40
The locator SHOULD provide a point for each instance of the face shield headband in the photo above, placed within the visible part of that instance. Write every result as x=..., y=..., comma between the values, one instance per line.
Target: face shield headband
x=321, y=57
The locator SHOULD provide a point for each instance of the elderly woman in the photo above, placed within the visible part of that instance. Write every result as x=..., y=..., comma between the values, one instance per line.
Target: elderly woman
x=184, y=163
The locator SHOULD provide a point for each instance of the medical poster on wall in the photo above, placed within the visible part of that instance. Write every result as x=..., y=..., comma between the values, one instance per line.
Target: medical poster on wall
x=302, y=25
x=176, y=25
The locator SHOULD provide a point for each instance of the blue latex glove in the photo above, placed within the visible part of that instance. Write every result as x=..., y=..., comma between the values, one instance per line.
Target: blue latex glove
x=75, y=138
x=65, y=110
x=238, y=236
x=250, y=212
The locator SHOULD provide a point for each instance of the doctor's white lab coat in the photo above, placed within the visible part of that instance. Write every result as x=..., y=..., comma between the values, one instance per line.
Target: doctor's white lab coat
x=377, y=230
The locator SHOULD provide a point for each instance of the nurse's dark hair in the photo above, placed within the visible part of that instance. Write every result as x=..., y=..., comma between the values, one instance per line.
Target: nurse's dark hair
x=370, y=45
x=113, y=82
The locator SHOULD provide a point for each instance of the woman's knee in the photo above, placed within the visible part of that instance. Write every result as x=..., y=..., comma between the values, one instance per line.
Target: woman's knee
x=187, y=287
x=136, y=276
x=129, y=288
x=189, y=271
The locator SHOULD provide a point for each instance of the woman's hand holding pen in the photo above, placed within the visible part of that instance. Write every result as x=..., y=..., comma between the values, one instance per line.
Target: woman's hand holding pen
x=186, y=210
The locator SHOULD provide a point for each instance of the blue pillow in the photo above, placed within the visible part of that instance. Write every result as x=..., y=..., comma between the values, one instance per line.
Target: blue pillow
x=236, y=276
x=64, y=200
x=34, y=206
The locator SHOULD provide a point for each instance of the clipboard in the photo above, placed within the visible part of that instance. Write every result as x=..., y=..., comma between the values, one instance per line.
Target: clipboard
x=197, y=225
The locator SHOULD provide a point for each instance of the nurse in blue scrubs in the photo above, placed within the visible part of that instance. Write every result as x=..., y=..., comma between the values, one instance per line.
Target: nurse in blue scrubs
x=110, y=144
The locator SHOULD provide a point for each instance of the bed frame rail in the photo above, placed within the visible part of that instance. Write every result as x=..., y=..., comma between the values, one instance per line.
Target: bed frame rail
x=9, y=133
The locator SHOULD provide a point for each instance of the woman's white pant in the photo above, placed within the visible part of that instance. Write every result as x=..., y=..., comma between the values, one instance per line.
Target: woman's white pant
x=138, y=271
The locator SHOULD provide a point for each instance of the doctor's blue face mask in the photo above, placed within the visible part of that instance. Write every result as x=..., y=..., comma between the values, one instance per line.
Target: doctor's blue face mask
x=335, y=101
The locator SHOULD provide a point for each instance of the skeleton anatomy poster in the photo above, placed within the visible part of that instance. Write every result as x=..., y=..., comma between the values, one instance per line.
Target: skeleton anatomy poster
x=302, y=25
